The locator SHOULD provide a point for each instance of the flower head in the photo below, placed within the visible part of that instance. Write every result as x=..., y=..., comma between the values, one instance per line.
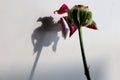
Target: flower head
x=78, y=16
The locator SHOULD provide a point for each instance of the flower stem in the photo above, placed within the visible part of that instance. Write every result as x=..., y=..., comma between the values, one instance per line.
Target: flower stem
x=86, y=70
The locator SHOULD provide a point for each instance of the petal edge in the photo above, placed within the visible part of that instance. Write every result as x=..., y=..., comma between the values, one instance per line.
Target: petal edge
x=92, y=25
x=63, y=9
x=72, y=27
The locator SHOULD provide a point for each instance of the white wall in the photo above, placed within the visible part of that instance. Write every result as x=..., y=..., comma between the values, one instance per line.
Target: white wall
x=18, y=21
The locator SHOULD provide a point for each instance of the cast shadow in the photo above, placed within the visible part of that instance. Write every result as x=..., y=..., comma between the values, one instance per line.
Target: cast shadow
x=44, y=36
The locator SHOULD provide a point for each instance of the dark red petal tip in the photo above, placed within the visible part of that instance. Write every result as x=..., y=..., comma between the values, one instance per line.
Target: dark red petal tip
x=72, y=27
x=92, y=25
x=63, y=9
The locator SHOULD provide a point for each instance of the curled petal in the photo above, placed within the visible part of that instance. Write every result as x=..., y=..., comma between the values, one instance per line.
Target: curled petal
x=64, y=29
x=63, y=9
x=92, y=25
x=72, y=27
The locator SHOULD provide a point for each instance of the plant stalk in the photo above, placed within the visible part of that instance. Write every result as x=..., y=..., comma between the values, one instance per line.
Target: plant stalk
x=86, y=69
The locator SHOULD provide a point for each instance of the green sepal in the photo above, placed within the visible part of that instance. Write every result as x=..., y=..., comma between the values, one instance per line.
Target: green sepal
x=88, y=18
x=70, y=17
x=82, y=16
x=75, y=16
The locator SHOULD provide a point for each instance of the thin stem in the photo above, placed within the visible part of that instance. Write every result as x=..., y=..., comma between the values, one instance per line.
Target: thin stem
x=83, y=55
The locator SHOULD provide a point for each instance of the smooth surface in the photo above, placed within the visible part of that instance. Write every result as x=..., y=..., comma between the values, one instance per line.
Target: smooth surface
x=18, y=21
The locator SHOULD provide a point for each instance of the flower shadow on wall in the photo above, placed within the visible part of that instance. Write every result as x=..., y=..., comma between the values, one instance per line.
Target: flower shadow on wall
x=44, y=36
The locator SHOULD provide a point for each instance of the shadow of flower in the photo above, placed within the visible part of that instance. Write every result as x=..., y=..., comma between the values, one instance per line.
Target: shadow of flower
x=44, y=36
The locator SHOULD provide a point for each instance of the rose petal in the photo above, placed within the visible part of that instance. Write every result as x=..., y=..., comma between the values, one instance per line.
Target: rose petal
x=63, y=9
x=72, y=27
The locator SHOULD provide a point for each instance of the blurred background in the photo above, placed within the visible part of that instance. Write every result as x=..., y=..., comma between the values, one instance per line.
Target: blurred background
x=60, y=59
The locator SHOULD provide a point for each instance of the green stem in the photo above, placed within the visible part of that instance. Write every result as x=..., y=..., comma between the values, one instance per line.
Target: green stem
x=83, y=55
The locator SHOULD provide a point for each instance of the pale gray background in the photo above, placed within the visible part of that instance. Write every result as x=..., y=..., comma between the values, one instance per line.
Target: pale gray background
x=17, y=22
